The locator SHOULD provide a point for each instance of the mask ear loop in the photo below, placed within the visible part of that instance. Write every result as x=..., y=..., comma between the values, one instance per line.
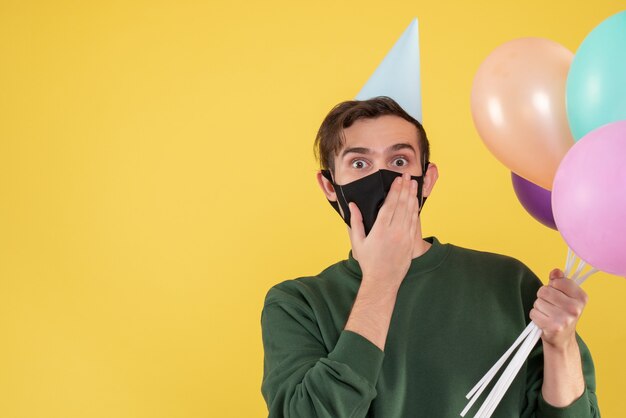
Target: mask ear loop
x=424, y=167
x=332, y=181
x=337, y=186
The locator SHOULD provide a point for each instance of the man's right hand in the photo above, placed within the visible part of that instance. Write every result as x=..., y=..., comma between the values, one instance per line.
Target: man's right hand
x=385, y=254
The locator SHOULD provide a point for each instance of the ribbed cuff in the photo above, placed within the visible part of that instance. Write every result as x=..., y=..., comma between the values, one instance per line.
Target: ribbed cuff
x=580, y=408
x=360, y=354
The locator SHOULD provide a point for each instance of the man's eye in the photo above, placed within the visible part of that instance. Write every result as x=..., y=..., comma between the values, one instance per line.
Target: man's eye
x=400, y=162
x=359, y=164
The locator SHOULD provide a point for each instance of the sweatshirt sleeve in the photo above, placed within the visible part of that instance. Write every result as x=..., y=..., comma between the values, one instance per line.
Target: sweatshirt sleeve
x=586, y=406
x=301, y=378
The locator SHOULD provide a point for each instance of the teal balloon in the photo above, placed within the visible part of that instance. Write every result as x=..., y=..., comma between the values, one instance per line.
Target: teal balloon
x=596, y=82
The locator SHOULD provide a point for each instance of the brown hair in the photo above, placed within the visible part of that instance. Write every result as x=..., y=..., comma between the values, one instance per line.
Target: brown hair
x=330, y=137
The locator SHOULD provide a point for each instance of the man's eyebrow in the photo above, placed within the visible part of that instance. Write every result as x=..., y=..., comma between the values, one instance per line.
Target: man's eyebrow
x=366, y=151
x=356, y=150
x=398, y=147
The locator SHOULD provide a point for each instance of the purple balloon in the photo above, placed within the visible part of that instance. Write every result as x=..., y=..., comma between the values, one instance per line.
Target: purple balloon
x=535, y=199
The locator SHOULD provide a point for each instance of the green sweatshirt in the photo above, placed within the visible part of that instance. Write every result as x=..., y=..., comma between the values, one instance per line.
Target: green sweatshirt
x=457, y=311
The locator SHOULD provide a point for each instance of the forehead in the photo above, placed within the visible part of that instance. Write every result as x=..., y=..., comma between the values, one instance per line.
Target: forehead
x=380, y=133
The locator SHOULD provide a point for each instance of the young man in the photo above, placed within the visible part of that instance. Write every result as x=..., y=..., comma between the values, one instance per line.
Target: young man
x=406, y=326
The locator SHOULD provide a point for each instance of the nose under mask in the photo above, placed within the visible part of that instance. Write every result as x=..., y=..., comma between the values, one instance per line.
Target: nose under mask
x=369, y=194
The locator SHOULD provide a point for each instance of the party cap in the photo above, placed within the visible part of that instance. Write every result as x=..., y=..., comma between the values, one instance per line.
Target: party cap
x=398, y=76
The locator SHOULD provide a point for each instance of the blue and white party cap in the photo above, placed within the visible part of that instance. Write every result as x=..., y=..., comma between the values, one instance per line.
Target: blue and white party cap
x=398, y=76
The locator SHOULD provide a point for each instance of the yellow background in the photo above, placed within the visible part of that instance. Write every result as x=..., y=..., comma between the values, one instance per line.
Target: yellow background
x=157, y=178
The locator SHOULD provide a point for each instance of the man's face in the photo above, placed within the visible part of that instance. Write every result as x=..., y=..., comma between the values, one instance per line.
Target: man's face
x=388, y=142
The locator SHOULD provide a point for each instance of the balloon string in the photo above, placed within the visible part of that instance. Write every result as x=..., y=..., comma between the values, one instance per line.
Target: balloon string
x=585, y=276
x=581, y=266
x=570, y=262
x=477, y=390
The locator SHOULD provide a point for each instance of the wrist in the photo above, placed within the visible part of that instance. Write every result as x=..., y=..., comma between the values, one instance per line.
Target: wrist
x=563, y=380
x=378, y=287
x=561, y=347
x=371, y=313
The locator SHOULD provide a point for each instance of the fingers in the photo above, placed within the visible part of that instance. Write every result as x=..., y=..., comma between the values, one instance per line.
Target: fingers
x=539, y=318
x=556, y=274
x=411, y=203
x=399, y=214
x=356, y=230
x=414, y=221
x=558, y=308
x=400, y=205
x=542, y=320
x=559, y=305
x=550, y=318
x=546, y=308
x=553, y=296
x=564, y=294
x=396, y=204
x=569, y=288
x=387, y=210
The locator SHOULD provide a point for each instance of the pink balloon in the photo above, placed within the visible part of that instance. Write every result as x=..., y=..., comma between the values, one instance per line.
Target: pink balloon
x=589, y=198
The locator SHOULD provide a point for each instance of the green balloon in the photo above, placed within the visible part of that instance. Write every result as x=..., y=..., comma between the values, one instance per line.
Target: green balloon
x=596, y=82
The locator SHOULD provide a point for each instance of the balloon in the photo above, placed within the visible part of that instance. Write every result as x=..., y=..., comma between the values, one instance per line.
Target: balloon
x=518, y=107
x=536, y=200
x=589, y=198
x=596, y=83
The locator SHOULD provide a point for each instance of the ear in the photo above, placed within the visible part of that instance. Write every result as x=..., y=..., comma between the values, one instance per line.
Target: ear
x=432, y=174
x=327, y=187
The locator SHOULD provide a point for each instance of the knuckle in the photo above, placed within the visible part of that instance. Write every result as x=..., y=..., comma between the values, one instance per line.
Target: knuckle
x=542, y=291
x=549, y=328
x=579, y=309
x=584, y=297
x=556, y=284
x=572, y=310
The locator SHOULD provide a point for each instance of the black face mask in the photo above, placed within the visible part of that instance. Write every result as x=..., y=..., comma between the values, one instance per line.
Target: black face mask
x=369, y=194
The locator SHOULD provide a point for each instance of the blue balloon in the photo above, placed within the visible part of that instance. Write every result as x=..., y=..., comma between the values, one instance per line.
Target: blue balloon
x=596, y=82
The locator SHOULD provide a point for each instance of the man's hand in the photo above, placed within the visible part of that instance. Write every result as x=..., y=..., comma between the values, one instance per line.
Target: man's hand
x=557, y=309
x=384, y=257
x=385, y=254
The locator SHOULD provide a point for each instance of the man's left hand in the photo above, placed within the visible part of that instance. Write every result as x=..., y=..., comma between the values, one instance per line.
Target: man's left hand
x=557, y=309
